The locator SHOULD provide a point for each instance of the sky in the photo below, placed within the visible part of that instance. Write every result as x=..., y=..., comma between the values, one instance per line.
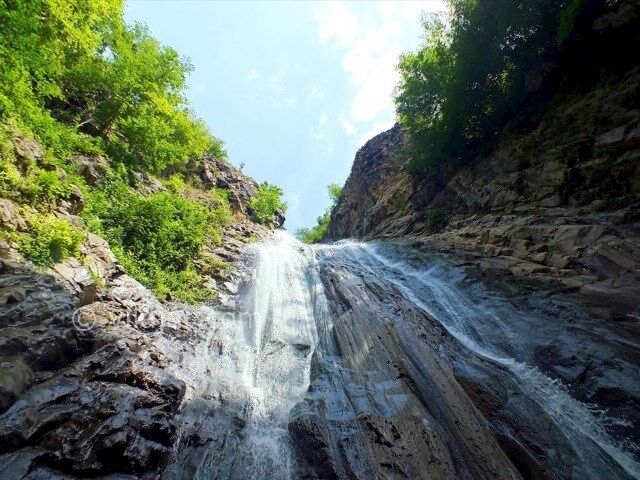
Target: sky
x=293, y=89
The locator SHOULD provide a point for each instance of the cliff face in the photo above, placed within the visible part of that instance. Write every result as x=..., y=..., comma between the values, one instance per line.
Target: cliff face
x=93, y=367
x=557, y=200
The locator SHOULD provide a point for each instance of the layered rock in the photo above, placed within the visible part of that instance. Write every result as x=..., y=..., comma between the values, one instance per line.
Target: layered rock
x=559, y=201
x=93, y=371
x=434, y=371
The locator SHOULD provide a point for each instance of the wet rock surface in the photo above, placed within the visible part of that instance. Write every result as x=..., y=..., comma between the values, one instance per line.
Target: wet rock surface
x=435, y=372
x=366, y=361
x=92, y=377
x=557, y=202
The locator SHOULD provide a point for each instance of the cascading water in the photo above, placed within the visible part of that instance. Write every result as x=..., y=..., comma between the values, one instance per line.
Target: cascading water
x=280, y=365
x=259, y=362
x=282, y=333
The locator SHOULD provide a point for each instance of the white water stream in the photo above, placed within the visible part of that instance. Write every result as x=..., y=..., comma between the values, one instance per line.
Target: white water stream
x=264, y=370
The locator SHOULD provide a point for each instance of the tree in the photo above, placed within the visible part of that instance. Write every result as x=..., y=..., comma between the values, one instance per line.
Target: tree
x=469, y=76
x=266, y=203
x=132, y=95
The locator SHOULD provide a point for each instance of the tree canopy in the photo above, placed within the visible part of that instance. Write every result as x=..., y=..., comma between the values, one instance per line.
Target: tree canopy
x=80, y=64
x=316, y=233
x=470, y=73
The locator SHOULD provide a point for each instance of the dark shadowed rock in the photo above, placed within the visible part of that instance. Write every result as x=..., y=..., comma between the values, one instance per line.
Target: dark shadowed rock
x=93, y=168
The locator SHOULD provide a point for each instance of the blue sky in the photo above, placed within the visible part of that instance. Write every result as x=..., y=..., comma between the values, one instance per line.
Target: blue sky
x=292, y=88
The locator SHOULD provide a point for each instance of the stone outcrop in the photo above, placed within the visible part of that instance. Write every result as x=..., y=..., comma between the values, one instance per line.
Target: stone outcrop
x=94, y=370
x=378, y=190
x=215, y=173
x=558, y=202
x=438, y=370
x=88, y=384
x=93, y=168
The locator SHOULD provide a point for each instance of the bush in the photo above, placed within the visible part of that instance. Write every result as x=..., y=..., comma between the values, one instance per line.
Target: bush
x=158, y=238
x=37, y=187
x=266, y=202
x=49, y=187
x=434, y=220
x=160, y=230
x=49, y=240
x=317, y=233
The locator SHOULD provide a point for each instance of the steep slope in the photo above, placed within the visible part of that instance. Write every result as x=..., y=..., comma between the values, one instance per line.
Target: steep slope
x=93, y=367
x=556, y=199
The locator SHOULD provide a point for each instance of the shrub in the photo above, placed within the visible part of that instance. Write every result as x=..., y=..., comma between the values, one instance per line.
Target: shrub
x=434, y=220
x=159, y=238
x=49, y=240
x=49, y=187
x=266, y=202
x=162, y=229
x=317, y=233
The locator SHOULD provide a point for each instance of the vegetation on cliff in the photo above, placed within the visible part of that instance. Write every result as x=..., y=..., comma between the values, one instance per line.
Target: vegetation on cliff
x=96, y=133
x=316, y=233
x=470, y=75
x=267, y=203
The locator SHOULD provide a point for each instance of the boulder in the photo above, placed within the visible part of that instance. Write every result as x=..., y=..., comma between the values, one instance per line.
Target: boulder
x=216, y=173
x=14, y=377
x=147, y=184
x=93, y=168
x=279, y=219
x=99, y=258
x=27, y=149
x=76, y=201
x=77, y=279
x=10, y=216
x=611, y=137
x=633, y=138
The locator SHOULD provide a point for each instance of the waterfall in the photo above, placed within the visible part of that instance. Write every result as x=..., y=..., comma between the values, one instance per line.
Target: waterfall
x=350, y=312
x=281, y=330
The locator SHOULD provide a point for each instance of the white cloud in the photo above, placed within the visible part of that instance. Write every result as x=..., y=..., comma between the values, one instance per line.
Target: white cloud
x=372, y=131
x=251, y=76
x=369, y=43
x=335, y=21
x=320, y=135
x=348, y=127
x=280, y=95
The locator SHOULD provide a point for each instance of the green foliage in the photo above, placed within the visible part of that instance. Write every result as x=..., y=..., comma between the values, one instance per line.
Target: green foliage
x=469, y=76
x=316, y=233
x=335, y=192
x=49, y=240
x=161, y=229
x=175, y=183
x=72, y=68
x=50, y=187
x=76, y=78
x=159, y=238
x=567, y=19
x=434, y=220
x=266, y=202
x=36, y=187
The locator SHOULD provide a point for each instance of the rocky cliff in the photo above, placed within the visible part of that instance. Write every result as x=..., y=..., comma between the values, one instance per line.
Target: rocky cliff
x=557, y=198
x=93, y=367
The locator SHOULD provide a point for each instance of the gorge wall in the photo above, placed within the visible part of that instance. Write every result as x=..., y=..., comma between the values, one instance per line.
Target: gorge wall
x=557, y=198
